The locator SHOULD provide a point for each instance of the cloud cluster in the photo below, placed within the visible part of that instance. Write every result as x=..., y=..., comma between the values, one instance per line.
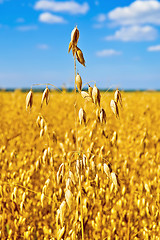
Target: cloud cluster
x=136, y=22
x=70, y=7
x=134, y=33
x=138, y=12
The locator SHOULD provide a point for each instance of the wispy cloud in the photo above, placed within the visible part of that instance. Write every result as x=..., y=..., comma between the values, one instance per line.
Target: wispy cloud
x=71, y=7
x=107, y=53
x=20, y=20
x=27, y=28
x=43, y=46
x=138, y=12
x=134, y=33
x=50, y=18
x=155, y=48
x=101, y=17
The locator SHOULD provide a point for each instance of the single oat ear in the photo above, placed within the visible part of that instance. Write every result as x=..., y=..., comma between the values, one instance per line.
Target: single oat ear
x=90, y=90
x=86, y=96
x=45, y=96
x=96, y=95
x=102, y=115
x=29, y=100
x=79, y=56
x=79, y=82
x=118, y=97
x=75, y=36
x=114, y=108
x=82, y=116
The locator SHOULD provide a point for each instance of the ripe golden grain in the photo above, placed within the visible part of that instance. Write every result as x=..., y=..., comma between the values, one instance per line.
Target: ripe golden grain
x=96, y=95
x=45, y=96
x=29, y=100
x=114, y=108
x=86, y=96
x=79, y=82
x=79, y=56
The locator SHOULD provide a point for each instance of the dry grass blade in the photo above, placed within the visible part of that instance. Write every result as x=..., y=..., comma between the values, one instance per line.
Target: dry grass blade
x=86, y=96
x=114, y=108
x=29, y=99
x=71, y=176
x=62, y=209
x=60, y=233
x=79, y=82
x=69, y=198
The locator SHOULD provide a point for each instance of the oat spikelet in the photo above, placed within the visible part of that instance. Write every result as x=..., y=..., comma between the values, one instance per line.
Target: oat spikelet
x=107, y=170
x=69, y=198
x=118, y=97
x=86, y=96
x=70, y=47
x=96, y=95
x=82, y=116
x=79, y=56
x=74, y=36
x=102, y=115
x=29, y=100
x=90, y=89
x=114, y=179
x=60, y=173
x=45, y=96
x=114, y=108
x=79, y=82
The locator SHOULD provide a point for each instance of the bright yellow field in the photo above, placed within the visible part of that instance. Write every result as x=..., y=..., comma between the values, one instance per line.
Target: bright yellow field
x=35, y=203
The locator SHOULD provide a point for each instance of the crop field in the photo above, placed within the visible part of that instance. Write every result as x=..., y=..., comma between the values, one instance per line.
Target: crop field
x=70, y=174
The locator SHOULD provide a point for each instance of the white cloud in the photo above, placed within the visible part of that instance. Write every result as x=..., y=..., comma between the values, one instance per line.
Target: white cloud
x=155, y=48
x=134, y=33
x=71, y=7
x=27, y=28
x=43, y=46
x=138, y=12
x=107, y=53
x=50, y=18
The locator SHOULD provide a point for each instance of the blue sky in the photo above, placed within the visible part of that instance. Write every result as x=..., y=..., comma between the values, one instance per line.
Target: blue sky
x=120, y=41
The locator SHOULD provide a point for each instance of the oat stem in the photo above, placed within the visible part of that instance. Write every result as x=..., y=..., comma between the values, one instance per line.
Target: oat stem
x=80, y=184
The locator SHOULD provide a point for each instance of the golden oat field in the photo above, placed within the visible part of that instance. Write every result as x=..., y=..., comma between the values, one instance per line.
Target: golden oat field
x=60, y=179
